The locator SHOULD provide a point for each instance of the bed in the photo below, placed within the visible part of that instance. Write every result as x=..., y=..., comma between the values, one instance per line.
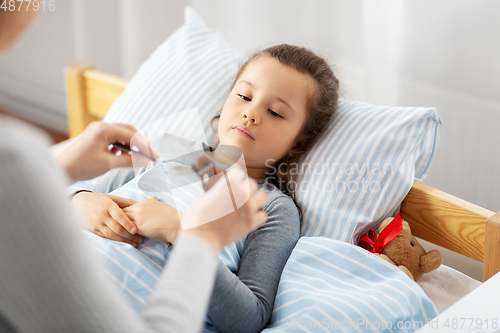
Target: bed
x=433, y=215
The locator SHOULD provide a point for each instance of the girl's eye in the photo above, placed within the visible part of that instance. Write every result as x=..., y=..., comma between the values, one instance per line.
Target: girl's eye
x=274, y=114
x=243, y=97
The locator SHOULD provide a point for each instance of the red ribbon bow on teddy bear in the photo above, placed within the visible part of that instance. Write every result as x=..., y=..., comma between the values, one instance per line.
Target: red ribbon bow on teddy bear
x=376, y=244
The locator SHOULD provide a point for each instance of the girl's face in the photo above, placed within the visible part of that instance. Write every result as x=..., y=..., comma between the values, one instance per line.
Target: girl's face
x=264, y=113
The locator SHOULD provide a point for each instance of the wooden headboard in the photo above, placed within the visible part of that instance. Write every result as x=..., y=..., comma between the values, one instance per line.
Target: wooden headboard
x=90, y=93
x=433, y=215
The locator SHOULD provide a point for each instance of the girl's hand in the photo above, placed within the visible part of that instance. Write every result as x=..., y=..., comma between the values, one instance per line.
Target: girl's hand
x=104, y=216
x=155, y=219
x=226, y=213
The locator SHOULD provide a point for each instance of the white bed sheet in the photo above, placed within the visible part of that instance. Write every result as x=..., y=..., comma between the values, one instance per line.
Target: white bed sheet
x=445, y=286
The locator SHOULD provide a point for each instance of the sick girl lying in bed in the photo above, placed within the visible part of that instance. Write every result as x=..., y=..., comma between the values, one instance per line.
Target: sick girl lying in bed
x=282, y=100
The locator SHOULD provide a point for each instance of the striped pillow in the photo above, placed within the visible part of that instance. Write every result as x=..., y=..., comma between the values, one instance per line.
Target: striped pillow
x=184, y=83
x=363, y=167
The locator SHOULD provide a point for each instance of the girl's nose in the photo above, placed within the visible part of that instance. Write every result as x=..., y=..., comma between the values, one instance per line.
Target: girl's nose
x=251, y=114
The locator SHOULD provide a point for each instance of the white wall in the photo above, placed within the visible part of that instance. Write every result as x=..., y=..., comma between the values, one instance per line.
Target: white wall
x=31, y=72
x=416, y=53
x=115, y=36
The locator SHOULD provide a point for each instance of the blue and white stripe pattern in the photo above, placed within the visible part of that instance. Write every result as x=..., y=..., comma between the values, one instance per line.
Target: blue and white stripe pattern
x=363, y=167
x=328, y=285
x=136, y=271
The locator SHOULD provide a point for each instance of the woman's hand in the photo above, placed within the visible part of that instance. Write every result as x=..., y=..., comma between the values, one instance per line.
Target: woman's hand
x=88, y=156
x=214, y=217
x=155, y=219
x=104, y=216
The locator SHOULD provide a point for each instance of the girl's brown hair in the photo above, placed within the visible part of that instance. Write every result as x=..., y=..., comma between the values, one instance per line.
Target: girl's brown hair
x=320, y=109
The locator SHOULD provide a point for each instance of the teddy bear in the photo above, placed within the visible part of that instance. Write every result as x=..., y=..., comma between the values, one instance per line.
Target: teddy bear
x=394, y=243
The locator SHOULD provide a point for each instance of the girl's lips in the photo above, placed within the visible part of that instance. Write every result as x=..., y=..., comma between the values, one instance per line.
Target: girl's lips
x=243, y=131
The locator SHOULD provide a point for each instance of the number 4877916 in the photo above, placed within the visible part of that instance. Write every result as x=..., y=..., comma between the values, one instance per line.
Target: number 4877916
x=26, y=5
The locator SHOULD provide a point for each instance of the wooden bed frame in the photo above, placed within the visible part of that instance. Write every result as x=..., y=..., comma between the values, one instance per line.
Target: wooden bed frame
x=434, y=216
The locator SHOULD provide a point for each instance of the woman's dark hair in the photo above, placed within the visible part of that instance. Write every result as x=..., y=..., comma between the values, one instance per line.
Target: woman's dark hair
x=321, y=106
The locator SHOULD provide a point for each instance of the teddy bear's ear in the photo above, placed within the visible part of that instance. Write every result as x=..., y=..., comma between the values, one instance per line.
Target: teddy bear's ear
x=406, y=226
x=406, y=234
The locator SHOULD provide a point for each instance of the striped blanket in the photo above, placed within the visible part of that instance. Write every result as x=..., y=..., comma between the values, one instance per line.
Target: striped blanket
x=329, y=285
